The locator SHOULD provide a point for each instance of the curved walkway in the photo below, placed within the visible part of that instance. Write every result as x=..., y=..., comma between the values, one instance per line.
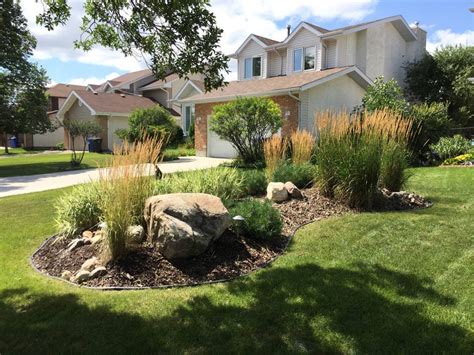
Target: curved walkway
x=18, y=185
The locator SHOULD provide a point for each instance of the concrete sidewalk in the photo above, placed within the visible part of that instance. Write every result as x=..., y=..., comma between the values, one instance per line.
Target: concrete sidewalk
x=18, y=185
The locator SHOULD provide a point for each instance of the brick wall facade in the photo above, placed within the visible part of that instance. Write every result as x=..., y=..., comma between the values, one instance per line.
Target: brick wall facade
x=289, y=108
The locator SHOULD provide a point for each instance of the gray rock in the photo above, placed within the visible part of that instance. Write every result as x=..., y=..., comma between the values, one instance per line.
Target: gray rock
x=97, y=238
x=184, y=225
x=87, y=234
x=277, y=192
x=90, y=264
x=293, y=191
x=99, y=271
x=82, y=276
x=135, y=234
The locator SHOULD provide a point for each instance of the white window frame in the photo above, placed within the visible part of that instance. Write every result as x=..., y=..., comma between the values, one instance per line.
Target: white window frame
x=261, y=67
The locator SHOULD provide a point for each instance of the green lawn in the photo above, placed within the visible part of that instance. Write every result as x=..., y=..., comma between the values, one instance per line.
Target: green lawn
x=398, y=282
x=18, y=151
x=45, y=163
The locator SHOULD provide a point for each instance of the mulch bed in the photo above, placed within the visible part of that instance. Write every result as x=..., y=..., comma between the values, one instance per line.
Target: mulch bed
x=229, y=257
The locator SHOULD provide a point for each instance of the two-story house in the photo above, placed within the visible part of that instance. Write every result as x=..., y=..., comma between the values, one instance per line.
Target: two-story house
x=313, y=69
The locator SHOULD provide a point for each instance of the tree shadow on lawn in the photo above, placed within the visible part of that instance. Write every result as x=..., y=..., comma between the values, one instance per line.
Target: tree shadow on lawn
x=304, y=309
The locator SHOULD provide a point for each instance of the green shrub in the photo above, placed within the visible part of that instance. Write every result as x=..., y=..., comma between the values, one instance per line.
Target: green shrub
x=449, y=147
x=459, y=159
x=153, y=121
x=262, y=221
x=254, y=181
x=246, y=123
x=225, y=183
x=170, y=154
x=78, y=209
x=302, y=175
x=385, y=95
x=393, y=174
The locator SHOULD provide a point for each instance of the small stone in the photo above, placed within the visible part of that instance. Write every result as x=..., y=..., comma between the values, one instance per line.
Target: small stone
x=136, y=234
x=87, y=234
x=293, y=190
x=66, y=275
x=87, y=241
x=96, y=239
x=102, y=225
x=90, y=264
x=75, y=243
x=82, y=276
x=277, y=192
x=98, y=272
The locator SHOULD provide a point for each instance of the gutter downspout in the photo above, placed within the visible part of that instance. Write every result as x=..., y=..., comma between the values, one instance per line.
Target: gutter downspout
x=299, y=107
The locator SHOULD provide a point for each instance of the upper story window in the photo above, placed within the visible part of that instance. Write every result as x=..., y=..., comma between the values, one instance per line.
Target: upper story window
x=304, y=58
x=252, y=67
x=53, y=103
x=297, y=59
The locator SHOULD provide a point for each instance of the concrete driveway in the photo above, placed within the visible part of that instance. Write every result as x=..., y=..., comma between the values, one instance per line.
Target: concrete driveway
x=18, y=185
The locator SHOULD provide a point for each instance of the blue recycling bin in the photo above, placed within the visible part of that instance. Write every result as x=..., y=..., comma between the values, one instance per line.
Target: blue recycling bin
x=13, y=142
x=94, y=145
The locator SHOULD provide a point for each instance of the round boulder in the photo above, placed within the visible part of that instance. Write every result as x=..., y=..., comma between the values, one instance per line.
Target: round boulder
x=183, y=225
x=277, y=192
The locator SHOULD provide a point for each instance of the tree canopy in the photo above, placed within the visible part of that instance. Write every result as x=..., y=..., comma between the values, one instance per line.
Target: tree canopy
x=23, y=103
x=445, y=77
x=177, y=36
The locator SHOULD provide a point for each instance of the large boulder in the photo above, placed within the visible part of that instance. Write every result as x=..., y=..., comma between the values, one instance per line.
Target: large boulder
x=185, y=224
x=277, y=192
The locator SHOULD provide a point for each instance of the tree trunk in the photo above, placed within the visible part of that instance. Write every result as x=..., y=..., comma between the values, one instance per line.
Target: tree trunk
x=5, y=135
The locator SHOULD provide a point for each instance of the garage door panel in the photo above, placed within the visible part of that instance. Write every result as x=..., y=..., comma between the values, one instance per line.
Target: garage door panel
x=219, y=148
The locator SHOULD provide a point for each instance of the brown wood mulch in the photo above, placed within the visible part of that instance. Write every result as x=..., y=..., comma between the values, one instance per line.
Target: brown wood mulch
x=229, y=257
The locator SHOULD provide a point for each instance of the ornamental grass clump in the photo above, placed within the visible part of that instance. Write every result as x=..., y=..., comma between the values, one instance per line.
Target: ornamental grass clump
x=274, y=150
x=359, y=155
x=124, y=187
x=302, y=145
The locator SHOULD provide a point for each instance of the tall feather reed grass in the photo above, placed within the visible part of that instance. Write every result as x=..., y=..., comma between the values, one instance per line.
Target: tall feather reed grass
x=302, y=146
x=125, y=184
x=359, y=155
x=274, y=150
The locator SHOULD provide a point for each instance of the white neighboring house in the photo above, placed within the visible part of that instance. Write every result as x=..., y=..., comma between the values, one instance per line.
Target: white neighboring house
x=313, y=69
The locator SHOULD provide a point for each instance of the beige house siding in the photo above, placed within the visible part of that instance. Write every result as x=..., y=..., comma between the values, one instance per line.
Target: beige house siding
x=339, y=94
x=252, y=49
x=113, y=124
x=277, y=63
x=331, y=50
x=78, y=111
x=302, y=39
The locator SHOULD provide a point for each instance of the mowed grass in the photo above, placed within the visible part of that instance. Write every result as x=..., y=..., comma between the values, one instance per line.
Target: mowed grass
x=46, y=163
x=397, y=282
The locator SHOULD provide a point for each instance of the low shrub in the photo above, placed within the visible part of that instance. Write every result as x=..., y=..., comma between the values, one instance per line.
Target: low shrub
x=78, y=209
x=225, y=183
x=459, y=159
x=262, y=221
x=170, y=154
x=302, y=175
x=449, y=147
x=254, y=181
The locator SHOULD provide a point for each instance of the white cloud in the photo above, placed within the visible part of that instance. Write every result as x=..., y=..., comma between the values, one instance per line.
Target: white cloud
x=447, y=37
x=238, y=18
x=92, y=79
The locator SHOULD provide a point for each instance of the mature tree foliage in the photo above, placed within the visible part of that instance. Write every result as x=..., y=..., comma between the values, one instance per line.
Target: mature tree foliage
x=246, y=123
x=177, y=35
x=384, y=95
x=150, y=122
x=444, y=77
x=23, y=103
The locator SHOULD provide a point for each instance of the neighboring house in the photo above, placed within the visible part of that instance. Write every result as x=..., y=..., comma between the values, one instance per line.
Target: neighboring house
x=313, y=69
x=139, y=88
x=110, y=110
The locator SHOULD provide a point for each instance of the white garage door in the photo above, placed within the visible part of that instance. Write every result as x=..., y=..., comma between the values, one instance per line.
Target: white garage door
x=49, y=139
x=219, y=148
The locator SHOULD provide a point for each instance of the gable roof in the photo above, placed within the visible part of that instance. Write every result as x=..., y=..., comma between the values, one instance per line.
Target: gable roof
x=194, y=85
x=279, y=85
x=63, y=90
x=159, y=83
x=317, y=28
x=132, y=76
x=104, y=103
x=267, y=41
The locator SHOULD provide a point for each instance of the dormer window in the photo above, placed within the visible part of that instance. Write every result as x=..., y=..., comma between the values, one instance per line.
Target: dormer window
x=253, y=67
x=304, y=58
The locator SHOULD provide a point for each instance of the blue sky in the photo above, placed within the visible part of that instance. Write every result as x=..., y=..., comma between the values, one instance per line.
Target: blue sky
x=447, y=22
